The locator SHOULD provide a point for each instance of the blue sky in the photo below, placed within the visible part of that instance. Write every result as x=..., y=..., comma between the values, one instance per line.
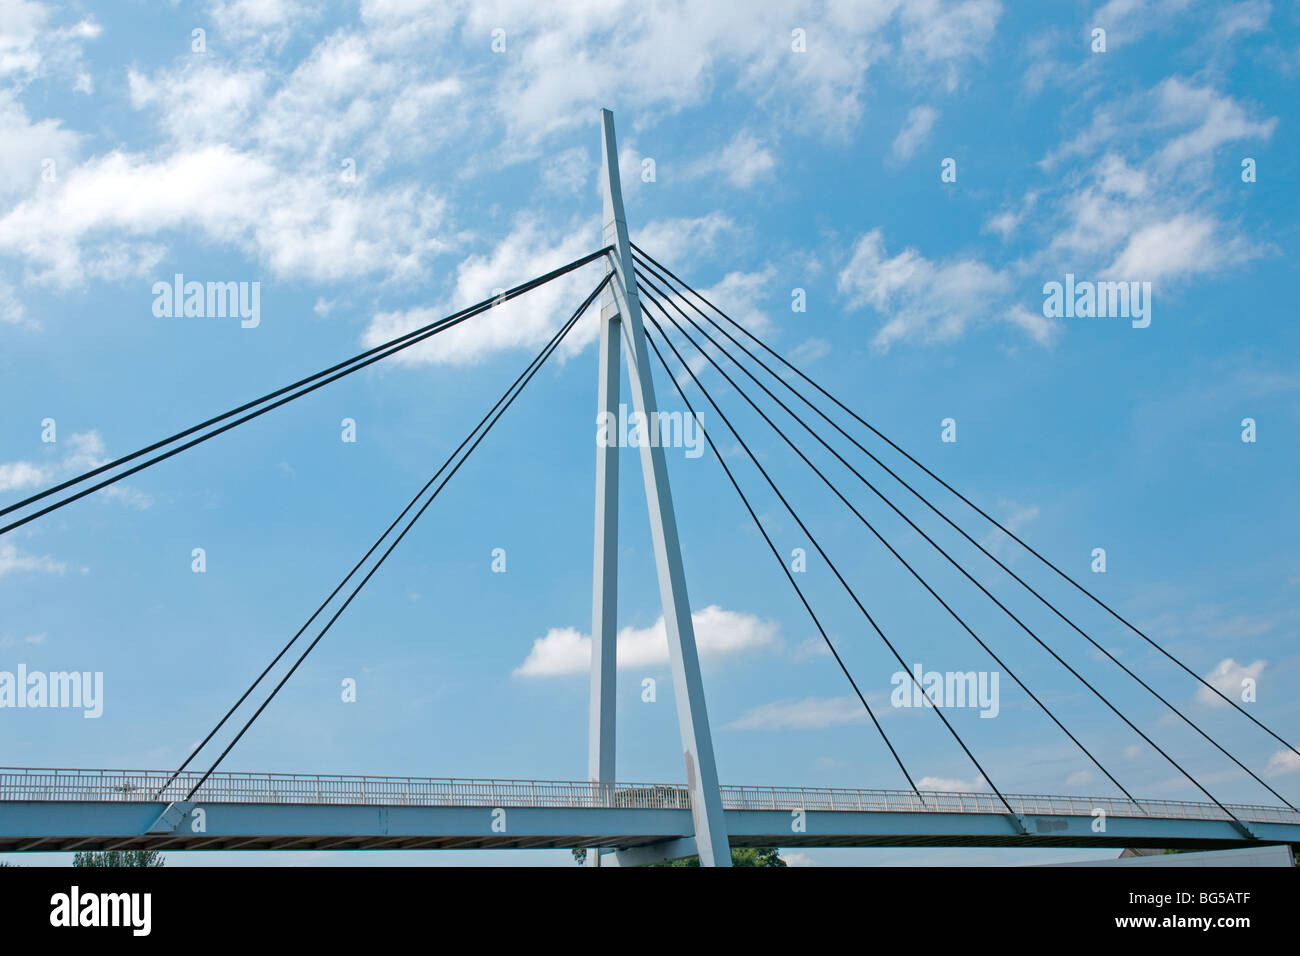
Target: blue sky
x=374, y=166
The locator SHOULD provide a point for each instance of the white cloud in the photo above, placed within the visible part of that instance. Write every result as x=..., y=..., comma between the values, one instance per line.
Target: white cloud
x=1282, y=762
x=255, y=17
x=1004, y=223
x=296, y=225
x=1249, y=16
x=564, y=61
x=1042, y=330
x=812, y=647
x=811, y=713
x=14, y=561
x=915, y=131
x=928, y=302
x=1007, y=221
x=1126, y=20
x=811, y=350
x=743, y=162
x=941, y=32
x=20, y=474
x=1117, y=178
x=84, y=451
x=527, y=321
x=718, y=633
x=568, y=171
x=252, y=152
x=1228, y=676
x=129, y=497
x=31, y=46
x=676, y=242
x=28, y=146
x=205, y=102
x=1209, y=118
x=1184, y=244
x=739, y=293
x=1153, y=218
x=11, y=310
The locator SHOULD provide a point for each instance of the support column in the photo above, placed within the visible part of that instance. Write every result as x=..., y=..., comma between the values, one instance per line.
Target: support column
x=604, y=598
x=688, y=686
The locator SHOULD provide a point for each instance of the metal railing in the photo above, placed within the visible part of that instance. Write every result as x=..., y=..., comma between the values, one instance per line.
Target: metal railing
x=115, y=786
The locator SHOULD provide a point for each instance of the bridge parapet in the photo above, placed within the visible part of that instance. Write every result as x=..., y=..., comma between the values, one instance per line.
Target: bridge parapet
x=151, y=786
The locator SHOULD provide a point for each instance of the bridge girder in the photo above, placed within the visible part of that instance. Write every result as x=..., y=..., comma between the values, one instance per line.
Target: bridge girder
x=48, y=826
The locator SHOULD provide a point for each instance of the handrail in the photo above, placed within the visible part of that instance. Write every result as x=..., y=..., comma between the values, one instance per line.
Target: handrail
x=68, y=784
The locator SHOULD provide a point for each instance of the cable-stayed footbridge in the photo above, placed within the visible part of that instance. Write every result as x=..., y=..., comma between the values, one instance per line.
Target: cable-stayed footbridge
x=645, y=308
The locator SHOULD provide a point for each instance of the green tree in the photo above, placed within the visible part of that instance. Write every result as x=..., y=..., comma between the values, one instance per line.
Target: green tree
x=740, y=856
x=117, y=858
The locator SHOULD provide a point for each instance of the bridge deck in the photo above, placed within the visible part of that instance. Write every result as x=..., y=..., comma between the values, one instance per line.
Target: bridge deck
x=62, y=809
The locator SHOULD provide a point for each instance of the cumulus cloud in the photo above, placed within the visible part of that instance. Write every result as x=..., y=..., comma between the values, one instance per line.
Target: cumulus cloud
x=107, y=216
x=13, y=561
x=29, y=147
x=1228, y=677
x=926, y=301
x=251, y=151
x=1184, y=244
x=32, y=45
x=268, y=19
x=742, y=162
x=206, y=101
x=740, y=295
x=528, y=250
x=1208, y=119
x=81, y=452
x=718, y=633
x=567, y=60
x=1147, y=216
x=676, y=242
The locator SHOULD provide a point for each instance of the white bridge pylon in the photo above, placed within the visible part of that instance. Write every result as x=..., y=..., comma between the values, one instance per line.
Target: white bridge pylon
x=620, y=319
